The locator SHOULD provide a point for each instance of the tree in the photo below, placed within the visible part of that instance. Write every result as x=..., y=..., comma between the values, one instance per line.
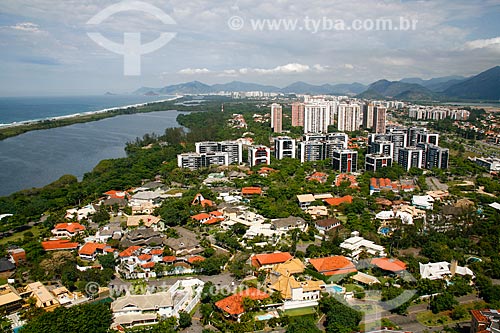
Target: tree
x=184, y=319
x=339, y=317
x=107, y=261
x=303, y=324
x=94, y=318
x=442, y=302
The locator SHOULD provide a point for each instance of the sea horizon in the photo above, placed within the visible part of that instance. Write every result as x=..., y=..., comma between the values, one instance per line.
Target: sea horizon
x=21, y=110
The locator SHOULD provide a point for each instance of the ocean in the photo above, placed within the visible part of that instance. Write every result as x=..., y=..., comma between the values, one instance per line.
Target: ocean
x=36, y=158
x=22, y=109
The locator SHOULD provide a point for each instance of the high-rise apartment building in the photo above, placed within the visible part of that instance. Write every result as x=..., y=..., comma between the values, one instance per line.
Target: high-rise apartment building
x=348, y=117
x=316, y=117
x=233, y=148
x=259, y=155
x=195, y=161
x=374, y=162
x=379, y=119
x=276, y=118
x=345, y=160
x=368, y=115
x=410, y=157
x=284, y=146
x=298, y=110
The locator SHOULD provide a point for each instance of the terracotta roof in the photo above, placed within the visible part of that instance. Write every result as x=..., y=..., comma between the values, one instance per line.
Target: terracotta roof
x=216, y=213
x=234, y=304
x=70, y=227
x=169, y=259
x=251, y=190
x=156, y=252
x=479, y=315
x=148, y=265
x=90, y=248
x=129, y=251
x=214, y=220
x=259, y=260
x=201, y=216
x=195, y=259
x=116, y=194
x=346, y=177
x=333, y=265
x=144, y=257
x=338, y=201
x=393, y=265
x=60, y=244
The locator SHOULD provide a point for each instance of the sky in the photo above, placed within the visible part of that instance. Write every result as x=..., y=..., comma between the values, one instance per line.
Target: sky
x=46, y=48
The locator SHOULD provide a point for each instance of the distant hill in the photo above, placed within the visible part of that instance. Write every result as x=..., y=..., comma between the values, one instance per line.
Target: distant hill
x=196, y=87
x=484, y=86
x=396, y=90
x=235, y=86
x=438, y=84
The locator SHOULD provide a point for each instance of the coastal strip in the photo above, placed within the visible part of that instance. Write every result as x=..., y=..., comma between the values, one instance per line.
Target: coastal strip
x=14, y=129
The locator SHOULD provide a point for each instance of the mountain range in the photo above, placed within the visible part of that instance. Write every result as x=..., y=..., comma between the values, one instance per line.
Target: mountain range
x=483, y=86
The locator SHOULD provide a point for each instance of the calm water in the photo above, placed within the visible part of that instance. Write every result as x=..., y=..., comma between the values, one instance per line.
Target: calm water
x=17, y=109
x=37, y=158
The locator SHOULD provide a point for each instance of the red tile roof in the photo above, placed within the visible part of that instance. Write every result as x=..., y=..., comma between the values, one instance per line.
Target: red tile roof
x=169, y=259
x=116, y=194
x=346, y=177
x=129, y=251
x=90, y=249
x=259, y=260
x=214, y=220
x=392, y=265
x=333, y=265
x=251, y=191
x=201, y=216
x=338, y=201
x=156, y=252
x=234, y=304
x=145, y=257
x=70, y=227
x=195, y=259
x=148, y=265
x=60, y=244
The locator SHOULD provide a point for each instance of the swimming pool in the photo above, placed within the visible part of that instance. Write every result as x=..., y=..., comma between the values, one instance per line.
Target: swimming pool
x=334, y=288
x=266, y=316
x=385, y=231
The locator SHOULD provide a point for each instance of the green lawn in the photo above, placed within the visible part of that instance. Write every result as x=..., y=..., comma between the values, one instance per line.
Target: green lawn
x=3, y=281
x=301, y=311
x=19, y=235
x=443, y=318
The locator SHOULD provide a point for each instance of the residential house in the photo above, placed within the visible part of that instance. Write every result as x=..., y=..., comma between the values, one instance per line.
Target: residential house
x=10, y=301
x=187, y=243
x=317, y=212
x=485, y=321
x=90, y=251
x=335, y=265
x=200, y=200
x=326, y=225
x=67, y=230
x=346, y=177
x=143, y=236
x=389, y=264
x=208, y=218
x=443, y=270
x=251, y=191
x=17, y=255
x=43, y=297
x=356, y=245
x=135, y=310
x=232, y=306
x=423, y=201
x=80, y=213
x=289, y=223
x=305, y=200
x=338, y=201
x=319, y=177
x=266, y=261
x=148, y=221
x=281, y=279
x=6, y=267
x=59, y=245
x=112, y=230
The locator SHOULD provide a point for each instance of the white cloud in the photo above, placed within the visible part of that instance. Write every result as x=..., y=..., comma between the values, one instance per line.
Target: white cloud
x=284, y=69
x=193, y=71
x=348, y=66
x=26, y=26
x=483, y=43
